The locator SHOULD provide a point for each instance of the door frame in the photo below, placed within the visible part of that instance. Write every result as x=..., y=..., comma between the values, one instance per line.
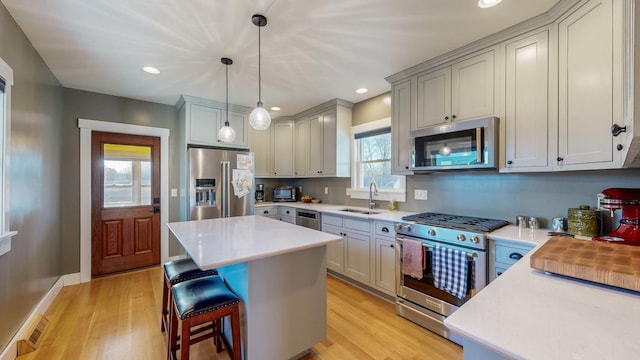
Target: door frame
x=86, y=128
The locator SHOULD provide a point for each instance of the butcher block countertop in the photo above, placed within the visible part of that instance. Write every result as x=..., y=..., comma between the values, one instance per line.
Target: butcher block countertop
x=529, y=314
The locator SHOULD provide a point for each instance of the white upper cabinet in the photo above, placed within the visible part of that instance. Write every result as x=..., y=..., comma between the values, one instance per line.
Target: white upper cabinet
x=203, y=119
x=461, y=91
x=590, y=79
x=526, y=105
x=473, y=87
x=283, y=148
x=401, y=118
x=261, y=147
x=301, y=147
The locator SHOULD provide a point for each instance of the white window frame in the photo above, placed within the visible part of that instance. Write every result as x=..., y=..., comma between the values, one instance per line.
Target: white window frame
x=354, y=192
x=6, y=73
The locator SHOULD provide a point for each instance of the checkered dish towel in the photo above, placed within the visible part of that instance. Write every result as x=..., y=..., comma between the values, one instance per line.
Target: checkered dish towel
x=450, y=271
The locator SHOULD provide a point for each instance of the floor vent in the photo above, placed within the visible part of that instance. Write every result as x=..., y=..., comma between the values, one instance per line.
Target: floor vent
x=33, y=335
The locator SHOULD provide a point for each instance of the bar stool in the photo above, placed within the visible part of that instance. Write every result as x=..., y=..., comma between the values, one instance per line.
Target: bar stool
x=199, y=301
x=176, y=272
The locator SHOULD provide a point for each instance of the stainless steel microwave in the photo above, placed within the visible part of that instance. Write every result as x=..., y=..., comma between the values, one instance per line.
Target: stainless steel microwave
x=457, y=145
x=284, y=193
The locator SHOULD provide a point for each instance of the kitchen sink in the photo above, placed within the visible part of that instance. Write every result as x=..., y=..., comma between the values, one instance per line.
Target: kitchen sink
x=358, y=211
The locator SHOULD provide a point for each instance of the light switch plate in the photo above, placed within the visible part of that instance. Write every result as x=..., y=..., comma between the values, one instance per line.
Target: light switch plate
x=174, y=192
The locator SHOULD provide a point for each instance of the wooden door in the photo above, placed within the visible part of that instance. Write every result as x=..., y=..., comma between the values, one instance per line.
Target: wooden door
x=125, y=202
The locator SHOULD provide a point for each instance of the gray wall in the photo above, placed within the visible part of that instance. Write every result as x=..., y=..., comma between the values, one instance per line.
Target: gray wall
x=93, y=106
x=32, y=266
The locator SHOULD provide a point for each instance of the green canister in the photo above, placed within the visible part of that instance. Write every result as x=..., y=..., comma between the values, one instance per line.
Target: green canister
x=584, y=221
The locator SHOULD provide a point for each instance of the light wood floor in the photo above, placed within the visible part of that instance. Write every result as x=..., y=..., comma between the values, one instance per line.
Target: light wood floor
x=118, y=317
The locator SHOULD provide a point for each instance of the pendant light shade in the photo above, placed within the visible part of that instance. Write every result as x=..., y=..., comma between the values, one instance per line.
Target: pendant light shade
x=259, y=118
x=226, y=133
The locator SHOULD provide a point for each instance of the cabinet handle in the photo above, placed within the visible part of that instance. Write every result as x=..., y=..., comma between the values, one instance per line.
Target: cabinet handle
x=406, y=168
x=620, y=147
x=391, y=246
x=515, y=256
x=266, y=211
x=446, y=118
x=560, y=159
x=500, y=273
x=385, y=229
x=453, y=117
x=287, y=211
x=617, y=129
x=509, y=162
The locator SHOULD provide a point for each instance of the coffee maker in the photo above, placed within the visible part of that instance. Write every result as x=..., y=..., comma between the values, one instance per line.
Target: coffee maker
x=628, y=232
x=259, y=192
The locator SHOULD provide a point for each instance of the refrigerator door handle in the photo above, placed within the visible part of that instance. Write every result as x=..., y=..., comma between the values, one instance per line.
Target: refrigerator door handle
x=225, y=185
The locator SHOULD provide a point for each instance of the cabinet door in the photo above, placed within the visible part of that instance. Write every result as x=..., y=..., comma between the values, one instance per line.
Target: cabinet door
x=283, y=148
x=527, y=89
x=434, y=98
x=316, y=143
x=472, y=87
x=358, y=257
x=203, y=124
x=586, y=85
x=239, y=123
x=385, y=265
x=401, y=110
x=261, y=147
x=329, y=142
x=335, y=251
x=301, y=142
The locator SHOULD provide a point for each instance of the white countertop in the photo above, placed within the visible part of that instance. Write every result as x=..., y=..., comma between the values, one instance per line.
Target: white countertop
x=218, y=242
x=382, y=214
x=527, y=314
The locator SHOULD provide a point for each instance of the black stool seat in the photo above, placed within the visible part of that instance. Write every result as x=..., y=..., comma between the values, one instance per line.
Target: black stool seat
x=185, y=269
x=197, y=296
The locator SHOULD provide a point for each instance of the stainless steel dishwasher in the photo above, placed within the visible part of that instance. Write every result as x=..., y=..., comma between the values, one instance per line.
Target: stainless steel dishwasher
x=308, y=218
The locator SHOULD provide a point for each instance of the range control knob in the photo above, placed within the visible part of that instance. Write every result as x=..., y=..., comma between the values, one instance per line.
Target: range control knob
x=398, y=226
x=461, y=237
x=432, y=232
x=475, y=239
x=408, y=227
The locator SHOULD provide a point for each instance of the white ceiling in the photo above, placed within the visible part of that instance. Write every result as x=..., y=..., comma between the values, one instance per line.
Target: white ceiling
x=312, y=51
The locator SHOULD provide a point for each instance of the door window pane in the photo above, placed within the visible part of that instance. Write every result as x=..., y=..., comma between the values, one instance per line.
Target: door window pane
x=127, y=175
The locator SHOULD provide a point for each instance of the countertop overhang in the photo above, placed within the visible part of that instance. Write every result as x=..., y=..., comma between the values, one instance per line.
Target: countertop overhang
x=214, y=243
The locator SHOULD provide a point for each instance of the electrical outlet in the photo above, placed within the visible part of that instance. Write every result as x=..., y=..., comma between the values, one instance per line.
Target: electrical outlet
x=326, y=190
x=174, y=192
x=420, y=194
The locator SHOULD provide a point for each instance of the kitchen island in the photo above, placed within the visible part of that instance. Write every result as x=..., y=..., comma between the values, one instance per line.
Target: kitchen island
x=527, y=314
x=279, y=272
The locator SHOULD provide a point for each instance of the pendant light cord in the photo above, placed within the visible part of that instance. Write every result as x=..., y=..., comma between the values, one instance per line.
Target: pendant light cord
x=226, y=123
x=259, y=68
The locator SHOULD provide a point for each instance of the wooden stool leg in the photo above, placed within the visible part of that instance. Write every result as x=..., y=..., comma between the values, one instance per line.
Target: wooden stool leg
x=185, y=338
x=235, y=333
x=165, y=302
x=217, y=338
x=173, y=333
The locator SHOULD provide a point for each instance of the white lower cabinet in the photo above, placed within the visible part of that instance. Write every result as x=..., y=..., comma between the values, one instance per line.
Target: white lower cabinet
x=287, y=214
x=367, y=252
x=385, y=257
x=504, y=254
x=268, y=211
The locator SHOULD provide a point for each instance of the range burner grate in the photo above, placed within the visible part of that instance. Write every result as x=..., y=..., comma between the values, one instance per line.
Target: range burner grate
x=468, y=223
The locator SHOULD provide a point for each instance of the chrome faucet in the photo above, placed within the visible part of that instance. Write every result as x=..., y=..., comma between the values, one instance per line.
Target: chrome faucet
x=375, y=192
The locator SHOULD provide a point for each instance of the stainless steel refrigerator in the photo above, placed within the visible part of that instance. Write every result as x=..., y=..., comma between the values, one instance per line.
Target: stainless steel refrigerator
x=221, y=183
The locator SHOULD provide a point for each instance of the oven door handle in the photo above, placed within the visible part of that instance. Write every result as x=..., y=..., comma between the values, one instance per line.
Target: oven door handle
x=425, y=245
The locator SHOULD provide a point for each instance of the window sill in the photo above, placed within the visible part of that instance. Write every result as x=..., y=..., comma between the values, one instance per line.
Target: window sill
x=383, y=195
x=5, y=242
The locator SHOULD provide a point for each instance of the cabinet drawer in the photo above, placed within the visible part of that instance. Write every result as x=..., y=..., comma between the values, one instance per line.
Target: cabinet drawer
x=358, y=225
x=384, y=229
x=331, y=220
x=287, y=211
x=271, y=211
x=510, y=254
x=499, y=269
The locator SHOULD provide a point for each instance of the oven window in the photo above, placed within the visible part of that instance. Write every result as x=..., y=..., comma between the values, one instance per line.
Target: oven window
x=451, y=149
x=425, y=285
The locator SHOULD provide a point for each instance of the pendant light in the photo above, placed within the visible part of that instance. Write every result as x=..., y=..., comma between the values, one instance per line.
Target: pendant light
x=259, y=117
x=226, y=133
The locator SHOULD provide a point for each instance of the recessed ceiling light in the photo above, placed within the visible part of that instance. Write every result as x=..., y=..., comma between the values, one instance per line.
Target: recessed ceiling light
x=275, y=108
x=151, y=70
x=488, y=3
x=361, y=91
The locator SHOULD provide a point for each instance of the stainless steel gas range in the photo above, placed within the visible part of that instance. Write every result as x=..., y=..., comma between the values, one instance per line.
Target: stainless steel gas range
x=441, y=263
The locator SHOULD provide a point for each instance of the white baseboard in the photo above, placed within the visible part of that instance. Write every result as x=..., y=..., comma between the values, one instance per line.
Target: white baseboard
x=71, y=279
x=11, y=351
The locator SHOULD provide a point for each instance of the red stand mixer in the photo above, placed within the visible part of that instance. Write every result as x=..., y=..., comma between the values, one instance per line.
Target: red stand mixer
x=628, y=200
